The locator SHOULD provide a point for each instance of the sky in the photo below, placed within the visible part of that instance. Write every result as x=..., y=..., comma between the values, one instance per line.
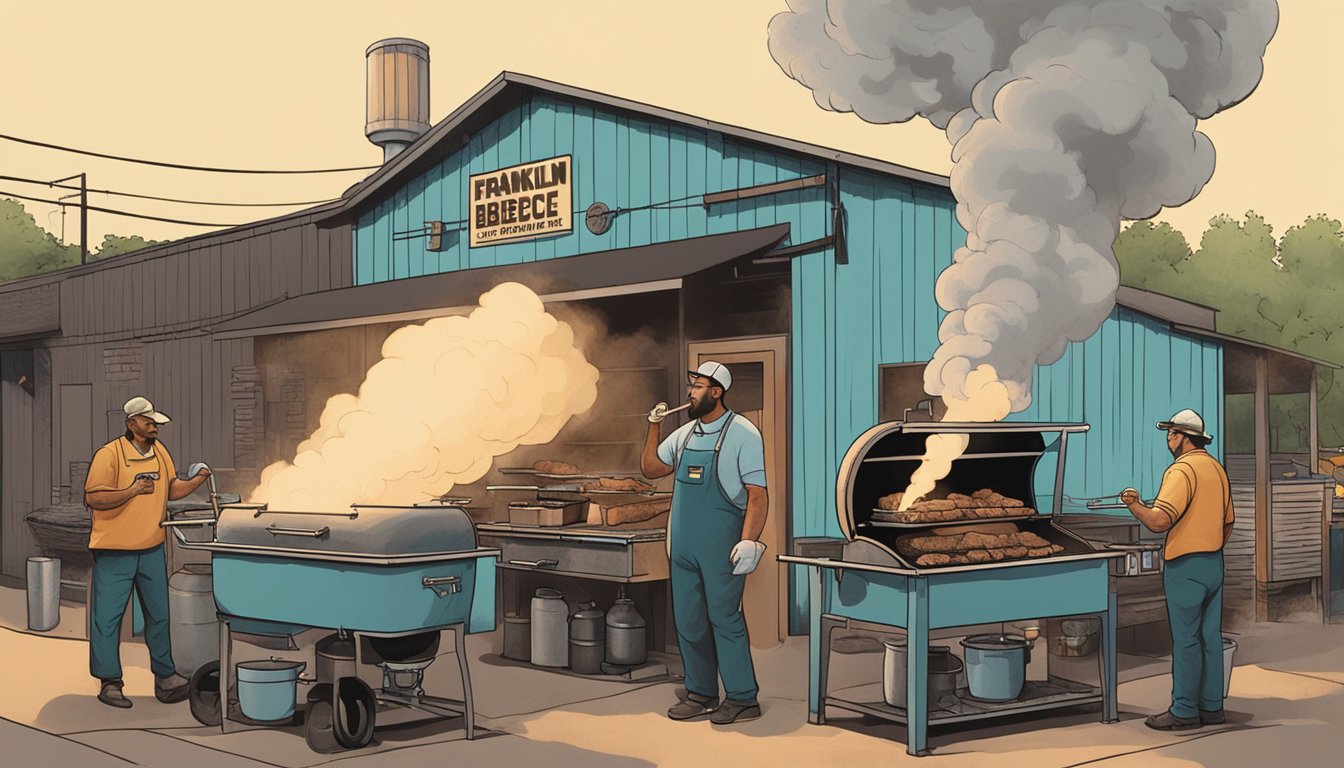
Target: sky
x=281, y=85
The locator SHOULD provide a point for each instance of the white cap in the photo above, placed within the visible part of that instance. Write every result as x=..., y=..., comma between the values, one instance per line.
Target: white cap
x=1186, y=421
x=712, y=370
x=139, y=406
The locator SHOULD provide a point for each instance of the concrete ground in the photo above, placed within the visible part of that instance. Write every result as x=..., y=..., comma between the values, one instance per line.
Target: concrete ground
x=1286, y=706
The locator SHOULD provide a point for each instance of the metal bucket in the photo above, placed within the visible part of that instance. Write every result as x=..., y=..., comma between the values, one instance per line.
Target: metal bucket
x=44, y=593
x=1229, y=650
x=193, y=625
x=996, y=666
x=944, y=667
x=517, y=637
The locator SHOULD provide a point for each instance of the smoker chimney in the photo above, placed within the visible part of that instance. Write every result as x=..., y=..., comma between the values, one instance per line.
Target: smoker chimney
x=398, y=93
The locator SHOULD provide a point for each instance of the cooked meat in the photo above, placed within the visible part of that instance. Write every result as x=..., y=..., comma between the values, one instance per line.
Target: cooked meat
x=959, y=500
x=983, y=494
x=555, y=468
x=891, y=501
x=630, y=484
x=934, y=559
x=635, y=513
x=978, y=556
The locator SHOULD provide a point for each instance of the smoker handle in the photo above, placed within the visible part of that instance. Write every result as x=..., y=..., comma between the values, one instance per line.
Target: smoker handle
x=316, y=533
x=453, y=583
x=543, y=563
x=186, y=523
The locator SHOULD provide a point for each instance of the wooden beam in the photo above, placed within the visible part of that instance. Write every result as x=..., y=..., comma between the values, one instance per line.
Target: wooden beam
x=1263, y=487
x=764, y=189
x=780, y=255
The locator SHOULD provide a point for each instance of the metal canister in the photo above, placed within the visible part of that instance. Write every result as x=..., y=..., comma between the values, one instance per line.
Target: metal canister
x=44, y=593
x=626, y=635
x=335, y=658
x=193, y=624
x=550, y=629
x=587, y=640
x=517, y=637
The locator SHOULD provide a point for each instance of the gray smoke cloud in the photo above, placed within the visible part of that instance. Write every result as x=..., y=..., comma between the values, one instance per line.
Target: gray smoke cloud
x=1064, y=118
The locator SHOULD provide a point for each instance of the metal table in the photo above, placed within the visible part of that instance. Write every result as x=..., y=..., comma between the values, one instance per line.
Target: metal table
x=921, y=601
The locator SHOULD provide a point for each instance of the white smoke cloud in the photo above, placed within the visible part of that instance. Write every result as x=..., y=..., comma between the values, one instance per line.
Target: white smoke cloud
x=448, y=397
x=1065, y=117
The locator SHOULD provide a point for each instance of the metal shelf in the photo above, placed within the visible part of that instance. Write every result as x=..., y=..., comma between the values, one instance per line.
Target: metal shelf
x=1037, y=695
x=963, y=457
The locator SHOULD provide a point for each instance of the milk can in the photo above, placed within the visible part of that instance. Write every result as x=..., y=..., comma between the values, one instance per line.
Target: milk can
x=587, y=642
x=550, y=629
x=193, y=625
x=626, y=639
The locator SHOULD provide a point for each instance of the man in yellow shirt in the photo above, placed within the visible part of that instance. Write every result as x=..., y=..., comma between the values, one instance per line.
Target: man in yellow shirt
x=130, y=482
x=1194, y=508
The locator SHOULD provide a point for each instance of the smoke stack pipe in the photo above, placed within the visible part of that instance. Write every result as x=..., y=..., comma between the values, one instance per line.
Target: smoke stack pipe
x=397, y=96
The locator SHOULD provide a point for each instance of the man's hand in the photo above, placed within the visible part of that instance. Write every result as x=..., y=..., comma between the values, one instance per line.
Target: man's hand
x=143, y=486
x=745, y=556
x=1130, y=496
x=203, y=472
x=658, y=413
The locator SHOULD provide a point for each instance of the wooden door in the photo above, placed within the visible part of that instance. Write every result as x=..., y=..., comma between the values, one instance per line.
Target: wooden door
x=760, y=393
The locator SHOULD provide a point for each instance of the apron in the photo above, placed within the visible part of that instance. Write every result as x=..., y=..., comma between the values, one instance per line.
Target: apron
x=706, y=596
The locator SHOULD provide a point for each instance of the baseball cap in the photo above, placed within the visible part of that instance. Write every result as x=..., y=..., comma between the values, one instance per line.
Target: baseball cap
x=139, y=406
x=1186, y=421
x=718, y=372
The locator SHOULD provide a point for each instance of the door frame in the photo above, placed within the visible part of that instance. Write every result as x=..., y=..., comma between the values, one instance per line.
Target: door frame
x=772, y=352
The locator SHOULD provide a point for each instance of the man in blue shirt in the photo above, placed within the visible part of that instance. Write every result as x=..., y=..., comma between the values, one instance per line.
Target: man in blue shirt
x=719, y=506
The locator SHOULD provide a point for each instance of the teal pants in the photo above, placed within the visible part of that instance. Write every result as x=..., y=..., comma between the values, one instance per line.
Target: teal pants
x=114, y=573
x=1194, y=590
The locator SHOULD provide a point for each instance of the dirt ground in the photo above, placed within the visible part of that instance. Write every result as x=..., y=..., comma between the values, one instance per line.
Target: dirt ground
x=1286, y=704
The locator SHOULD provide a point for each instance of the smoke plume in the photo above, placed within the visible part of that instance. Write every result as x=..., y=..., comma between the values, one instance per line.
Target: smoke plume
x=448, y=397
x=1065, y=117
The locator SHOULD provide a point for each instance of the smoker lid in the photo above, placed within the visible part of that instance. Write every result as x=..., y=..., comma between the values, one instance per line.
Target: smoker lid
x=361, y=529
x=1001, y=456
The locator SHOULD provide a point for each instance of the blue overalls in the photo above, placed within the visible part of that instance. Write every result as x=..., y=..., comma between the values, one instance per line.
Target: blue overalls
x=706, y=596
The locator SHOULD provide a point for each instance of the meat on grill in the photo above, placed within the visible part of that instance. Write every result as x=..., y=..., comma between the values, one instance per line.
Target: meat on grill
x=627, y=484
x=983, y=504
x=555, y=468
x=638, y=512
x=977, y=547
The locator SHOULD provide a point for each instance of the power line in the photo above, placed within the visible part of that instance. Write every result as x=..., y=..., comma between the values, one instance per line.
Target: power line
x=180, y=166
x=166, y=199
x=116, y=212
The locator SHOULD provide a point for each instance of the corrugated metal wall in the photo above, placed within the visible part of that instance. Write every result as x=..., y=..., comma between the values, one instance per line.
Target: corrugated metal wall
x=620, y=160
x=847, y=320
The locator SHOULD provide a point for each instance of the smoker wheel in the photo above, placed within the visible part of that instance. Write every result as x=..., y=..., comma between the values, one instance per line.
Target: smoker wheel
x=354, y=712
x=203, y=694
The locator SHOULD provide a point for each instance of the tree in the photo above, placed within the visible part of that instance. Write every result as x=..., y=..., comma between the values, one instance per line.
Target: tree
x=1287, y=294
x=1149, y=254
x=116, y=245
x=26, y=248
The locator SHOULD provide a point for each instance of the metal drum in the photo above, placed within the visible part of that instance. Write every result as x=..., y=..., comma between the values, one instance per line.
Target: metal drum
x=193, y=627
x=587, y=640
x=44, y=593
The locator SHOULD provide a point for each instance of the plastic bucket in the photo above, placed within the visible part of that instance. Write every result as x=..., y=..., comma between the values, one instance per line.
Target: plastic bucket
x=1229, y=650
x=267, y=688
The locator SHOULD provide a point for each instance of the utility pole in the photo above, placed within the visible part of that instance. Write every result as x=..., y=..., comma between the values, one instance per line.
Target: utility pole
x=83, y=213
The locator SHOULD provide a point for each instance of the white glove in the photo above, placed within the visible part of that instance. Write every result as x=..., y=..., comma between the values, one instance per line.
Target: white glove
x=658, y=413
x=745, y=556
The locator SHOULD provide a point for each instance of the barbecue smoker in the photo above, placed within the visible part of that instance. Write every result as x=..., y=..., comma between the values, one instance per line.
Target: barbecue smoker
x=390, y=578
x=1025, y=566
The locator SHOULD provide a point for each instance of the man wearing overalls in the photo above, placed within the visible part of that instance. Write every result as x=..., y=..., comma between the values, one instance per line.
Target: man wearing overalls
x=718, y=512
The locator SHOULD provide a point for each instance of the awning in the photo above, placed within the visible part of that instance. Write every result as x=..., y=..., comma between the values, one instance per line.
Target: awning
x=656, y=267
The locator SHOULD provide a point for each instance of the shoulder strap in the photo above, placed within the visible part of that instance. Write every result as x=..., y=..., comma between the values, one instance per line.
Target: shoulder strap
x=724, y=432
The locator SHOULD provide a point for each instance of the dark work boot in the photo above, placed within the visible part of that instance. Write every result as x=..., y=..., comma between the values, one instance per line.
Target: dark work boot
x=693, y=705
x=111, y=695
x=1169, y=722
x=1216, y=717
x=171, y=689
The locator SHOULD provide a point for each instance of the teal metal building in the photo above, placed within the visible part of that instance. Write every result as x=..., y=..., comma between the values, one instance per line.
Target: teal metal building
x=864, y=243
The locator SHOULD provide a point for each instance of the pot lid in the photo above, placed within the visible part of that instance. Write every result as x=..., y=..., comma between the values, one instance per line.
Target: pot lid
x=271, y=665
